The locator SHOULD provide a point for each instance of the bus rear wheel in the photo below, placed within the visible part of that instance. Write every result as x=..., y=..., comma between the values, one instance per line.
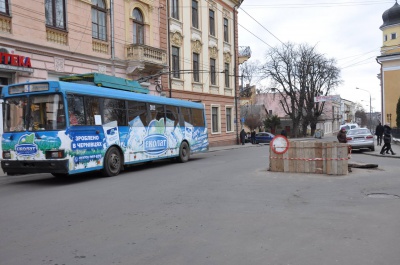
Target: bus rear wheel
x=184, y=153
x=112, y=162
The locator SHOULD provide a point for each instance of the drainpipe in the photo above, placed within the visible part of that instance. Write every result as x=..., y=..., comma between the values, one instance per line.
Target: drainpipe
x=169, y=53
x=235, y=69
x=381, y=83
x=112, y=37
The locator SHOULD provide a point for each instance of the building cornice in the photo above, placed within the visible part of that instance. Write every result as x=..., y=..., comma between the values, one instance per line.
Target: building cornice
x=389, y=57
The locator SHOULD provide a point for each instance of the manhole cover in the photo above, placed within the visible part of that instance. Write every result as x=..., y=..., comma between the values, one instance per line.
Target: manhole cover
x=383, y=196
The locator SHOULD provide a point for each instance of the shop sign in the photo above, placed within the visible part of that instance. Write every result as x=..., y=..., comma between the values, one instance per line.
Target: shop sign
x=15, y=62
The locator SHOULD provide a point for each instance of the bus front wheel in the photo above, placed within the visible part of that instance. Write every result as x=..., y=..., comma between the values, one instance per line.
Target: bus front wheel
x=184, y=152
x=112, y=162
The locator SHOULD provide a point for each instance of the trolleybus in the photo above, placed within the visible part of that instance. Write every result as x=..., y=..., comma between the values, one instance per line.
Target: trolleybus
x=67, y=128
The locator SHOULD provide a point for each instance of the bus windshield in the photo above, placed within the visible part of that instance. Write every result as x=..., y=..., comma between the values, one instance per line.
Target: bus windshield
x=34, y=113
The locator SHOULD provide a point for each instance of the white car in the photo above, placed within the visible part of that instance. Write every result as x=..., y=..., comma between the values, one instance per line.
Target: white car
x=360, y=138
x=349, y=126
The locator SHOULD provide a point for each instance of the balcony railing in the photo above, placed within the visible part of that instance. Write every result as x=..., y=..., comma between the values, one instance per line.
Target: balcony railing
x=244, y=53
x=146, y=54
x=5, y=24
x=57, y=36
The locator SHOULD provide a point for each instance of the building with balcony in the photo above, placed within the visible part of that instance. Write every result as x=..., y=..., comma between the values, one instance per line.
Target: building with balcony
x=175, y=48
x=204, y=61
x=125, y=39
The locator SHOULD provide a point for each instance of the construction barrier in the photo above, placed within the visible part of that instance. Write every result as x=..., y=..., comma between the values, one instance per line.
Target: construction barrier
x=310, y=157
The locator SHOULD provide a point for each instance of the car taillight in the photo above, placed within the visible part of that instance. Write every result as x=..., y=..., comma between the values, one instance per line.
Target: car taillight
x=369, y=137
x=349, y=138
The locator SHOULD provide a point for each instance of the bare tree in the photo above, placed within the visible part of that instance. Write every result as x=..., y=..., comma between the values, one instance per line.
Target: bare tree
x=249, y=72
x=361, y=115
x=320, y=77
x=252, y=115
x=299, y=74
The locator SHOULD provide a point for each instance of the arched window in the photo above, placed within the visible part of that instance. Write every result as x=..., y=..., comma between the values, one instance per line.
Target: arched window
x=99, y=27
x=138, y=27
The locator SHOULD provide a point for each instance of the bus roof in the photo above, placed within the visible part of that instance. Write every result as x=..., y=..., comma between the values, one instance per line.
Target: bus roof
x=85, y=89
x=103, y=80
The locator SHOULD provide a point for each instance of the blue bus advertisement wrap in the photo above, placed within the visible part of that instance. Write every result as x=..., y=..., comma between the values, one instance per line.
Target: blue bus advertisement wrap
x=33, y=148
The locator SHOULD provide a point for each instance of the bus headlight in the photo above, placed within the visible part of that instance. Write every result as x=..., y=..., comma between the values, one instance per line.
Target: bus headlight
x=6, y=155
x=55, y=154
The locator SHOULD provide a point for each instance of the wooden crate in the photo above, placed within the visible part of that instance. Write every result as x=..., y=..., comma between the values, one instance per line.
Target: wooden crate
x=311, y=157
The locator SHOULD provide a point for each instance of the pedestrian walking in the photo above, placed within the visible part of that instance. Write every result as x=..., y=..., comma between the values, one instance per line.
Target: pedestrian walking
x=379, y=133
x=242, y=136
x=387, y=139
x=253, y=137
x=283, y=133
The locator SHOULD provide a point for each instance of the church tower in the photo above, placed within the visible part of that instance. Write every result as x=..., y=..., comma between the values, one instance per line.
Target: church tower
x=390, y=63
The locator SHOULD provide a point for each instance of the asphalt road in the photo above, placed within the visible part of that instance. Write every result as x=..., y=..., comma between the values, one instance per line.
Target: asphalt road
x=222, y=207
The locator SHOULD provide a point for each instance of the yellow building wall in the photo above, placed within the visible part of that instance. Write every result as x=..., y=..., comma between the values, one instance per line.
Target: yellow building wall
x=391, y=94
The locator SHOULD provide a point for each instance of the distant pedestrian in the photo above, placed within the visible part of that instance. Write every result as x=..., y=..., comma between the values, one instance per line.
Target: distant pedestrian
x=379, y=134
x=283, y=133
x=341, y=136
x=242, y=136
x=387, y=139
x=253, y=137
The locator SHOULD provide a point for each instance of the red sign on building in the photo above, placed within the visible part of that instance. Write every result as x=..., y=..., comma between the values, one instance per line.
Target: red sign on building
x=15, y=60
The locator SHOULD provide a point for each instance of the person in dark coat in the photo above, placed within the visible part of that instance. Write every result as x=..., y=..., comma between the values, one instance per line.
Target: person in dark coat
x=283, y=133
x=379, y=133
x=242, y=136
x=341, y=136
x=387, y=139
x=253, y=137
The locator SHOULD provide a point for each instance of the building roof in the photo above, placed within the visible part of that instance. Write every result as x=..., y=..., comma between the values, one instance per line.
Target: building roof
x=391, y=16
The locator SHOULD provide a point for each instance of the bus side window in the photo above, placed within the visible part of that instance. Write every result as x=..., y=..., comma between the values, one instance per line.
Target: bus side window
x=198, y=117
x=92, y=108
x=76, y=107
x=114, y=110
x=157, y=112
x=186, y=116
x=171, y=115
x=137, y=109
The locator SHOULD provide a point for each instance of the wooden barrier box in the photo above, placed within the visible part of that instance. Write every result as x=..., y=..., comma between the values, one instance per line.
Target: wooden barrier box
x=311, y=157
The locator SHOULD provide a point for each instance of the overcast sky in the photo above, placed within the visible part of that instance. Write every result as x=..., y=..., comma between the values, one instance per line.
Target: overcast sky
x=347, y=30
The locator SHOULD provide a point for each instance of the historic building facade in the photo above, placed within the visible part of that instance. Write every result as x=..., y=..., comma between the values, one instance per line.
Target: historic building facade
x=115, y=37
x=390, y=64
x=204, y=61
x=176, y=48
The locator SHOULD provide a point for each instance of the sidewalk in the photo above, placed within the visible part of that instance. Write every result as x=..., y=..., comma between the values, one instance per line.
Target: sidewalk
x=395, y=148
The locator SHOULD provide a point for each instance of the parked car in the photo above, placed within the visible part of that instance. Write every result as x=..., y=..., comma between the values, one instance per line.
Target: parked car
x=264, y=137
x=349, y=126
x=360, y=138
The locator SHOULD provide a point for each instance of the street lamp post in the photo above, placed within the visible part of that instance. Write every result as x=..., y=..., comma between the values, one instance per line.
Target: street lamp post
x=370, y=108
